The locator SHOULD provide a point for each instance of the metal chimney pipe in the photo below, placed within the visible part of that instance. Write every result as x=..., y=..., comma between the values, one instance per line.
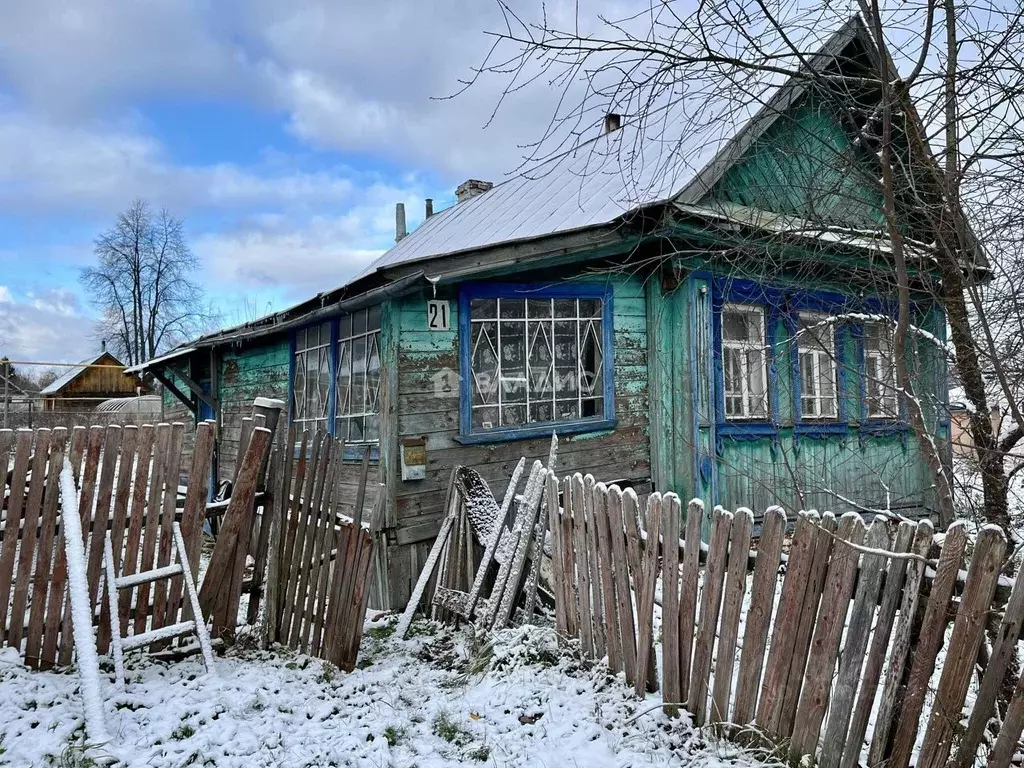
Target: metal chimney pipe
x=612, y=122
x=400, y=230
x=430, y=207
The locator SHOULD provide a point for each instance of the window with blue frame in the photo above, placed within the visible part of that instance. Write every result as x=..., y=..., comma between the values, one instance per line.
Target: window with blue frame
x=744, y=362
x=535, y=359
x=880, y=394
x=816, y=362
x=336, y=377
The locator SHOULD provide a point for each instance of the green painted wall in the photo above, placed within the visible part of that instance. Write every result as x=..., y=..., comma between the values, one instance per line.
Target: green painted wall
x=806, y=165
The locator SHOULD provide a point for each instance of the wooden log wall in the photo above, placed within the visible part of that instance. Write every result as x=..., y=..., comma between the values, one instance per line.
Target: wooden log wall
x=825, y=640
x=128, y=483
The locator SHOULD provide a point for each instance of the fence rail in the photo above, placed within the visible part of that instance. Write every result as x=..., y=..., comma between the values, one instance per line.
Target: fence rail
x=806, y=646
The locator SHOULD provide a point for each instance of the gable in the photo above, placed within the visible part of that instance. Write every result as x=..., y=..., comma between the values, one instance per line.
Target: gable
x=806, y=165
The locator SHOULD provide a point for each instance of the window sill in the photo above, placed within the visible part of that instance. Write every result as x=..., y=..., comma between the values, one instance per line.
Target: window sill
x=746, y=429
x=540, y=430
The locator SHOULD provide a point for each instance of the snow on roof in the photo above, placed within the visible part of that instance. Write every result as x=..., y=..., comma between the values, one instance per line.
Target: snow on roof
x=70, y=375
x=673, y=154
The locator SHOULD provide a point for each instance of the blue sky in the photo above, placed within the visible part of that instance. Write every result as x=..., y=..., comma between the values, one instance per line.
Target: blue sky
x=283, y=132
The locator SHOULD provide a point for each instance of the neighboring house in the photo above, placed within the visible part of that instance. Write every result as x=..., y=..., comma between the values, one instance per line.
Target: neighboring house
x=672, y=326
x=87, y=384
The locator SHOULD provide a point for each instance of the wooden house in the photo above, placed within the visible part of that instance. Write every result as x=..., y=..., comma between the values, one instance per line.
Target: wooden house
x=714, y=326
x=86, y=385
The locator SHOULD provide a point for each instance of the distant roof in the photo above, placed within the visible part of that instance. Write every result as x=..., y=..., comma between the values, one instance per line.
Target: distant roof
x=74, y=372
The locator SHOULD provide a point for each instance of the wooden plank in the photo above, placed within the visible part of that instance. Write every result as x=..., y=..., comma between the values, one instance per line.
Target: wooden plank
x=41, y=580
x=342, y=571
x=536, y=553
x=1004, y=650
x=962, y=651
x=670, y=685
x=118, y=520
x=33, y=509
x=303, y=498
x=933, y=629
x=1006, y=743
x=310, y=637
x=645, y=592
x=193, y=515
x=282, y=505
x=79, y=438
x=322, y=558
x=349, y=585
x=780, y=651
x=732, y=602
x=346, y=656
x=222, y=585
x=491, y=546
x=609, y=614
x=594, y=563
x=759, y=614
x=855, y=644
x=688, y=594
x=289, y=534
x=582, y=551
x=568, y=562
x=151, y=523
x=104, y=499
x=560, y=576
x=522, y=531
x=710, y=606
x=623, y=592
x=15, y=513
x=884, y=623
x=301, y=619
x=828, y=632
x=133, y=541
x=901, y=639
x=823, y=545
x=172, y=470
x=402, y=627
x=243, y=443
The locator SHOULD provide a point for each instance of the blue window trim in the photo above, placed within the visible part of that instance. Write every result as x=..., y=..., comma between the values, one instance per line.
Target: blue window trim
x=473, y=290
x=353, y=452
x=783, y=306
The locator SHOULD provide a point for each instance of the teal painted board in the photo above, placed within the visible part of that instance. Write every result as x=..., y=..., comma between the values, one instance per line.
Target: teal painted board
x=806, y=165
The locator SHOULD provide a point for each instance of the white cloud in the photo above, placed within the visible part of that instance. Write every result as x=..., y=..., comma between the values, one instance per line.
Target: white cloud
x=48, y=326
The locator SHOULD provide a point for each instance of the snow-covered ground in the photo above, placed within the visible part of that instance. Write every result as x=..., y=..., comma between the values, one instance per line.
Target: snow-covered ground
x=438, y=699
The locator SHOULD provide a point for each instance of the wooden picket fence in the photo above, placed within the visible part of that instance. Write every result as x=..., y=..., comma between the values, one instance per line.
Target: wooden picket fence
x=127, y=479
x=320, y=560
x=854, y=624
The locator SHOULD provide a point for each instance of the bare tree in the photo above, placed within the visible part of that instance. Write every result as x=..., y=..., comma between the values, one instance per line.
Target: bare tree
x=936, y=103
x=143, y=284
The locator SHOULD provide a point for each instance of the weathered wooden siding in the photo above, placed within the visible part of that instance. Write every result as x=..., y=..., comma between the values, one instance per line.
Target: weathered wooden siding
x=258, y=369
x=806, y=165
x=426, y=358
x=92, y=386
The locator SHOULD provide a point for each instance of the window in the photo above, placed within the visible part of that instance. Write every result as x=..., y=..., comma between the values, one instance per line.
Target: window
x=337, y=390
x=538, y=360
x=879, y=371
x=817, y=364
x=312, y=385
x=744, y=362
x=356, y=417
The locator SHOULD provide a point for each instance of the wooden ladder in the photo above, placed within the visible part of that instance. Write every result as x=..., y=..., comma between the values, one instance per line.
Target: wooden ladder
x=117, y=582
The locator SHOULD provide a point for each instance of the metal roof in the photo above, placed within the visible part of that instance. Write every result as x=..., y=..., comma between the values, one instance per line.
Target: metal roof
x=678, y=152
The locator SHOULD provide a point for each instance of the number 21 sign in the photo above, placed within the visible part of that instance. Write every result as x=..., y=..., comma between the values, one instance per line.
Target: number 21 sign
x=439, y=316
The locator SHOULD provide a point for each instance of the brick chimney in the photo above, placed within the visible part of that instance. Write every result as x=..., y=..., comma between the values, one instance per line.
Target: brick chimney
x=471, y=188
x=612, y=122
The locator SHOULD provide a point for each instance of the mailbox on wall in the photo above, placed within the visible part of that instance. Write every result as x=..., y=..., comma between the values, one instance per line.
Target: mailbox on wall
x=414, y=458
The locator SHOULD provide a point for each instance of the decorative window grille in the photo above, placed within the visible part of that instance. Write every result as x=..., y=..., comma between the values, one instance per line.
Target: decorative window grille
x=744, y=362
x=880, y=371
x=536, y=361
x=312, y=384
x=358, y=382
x=338, y=389
x=816, y=352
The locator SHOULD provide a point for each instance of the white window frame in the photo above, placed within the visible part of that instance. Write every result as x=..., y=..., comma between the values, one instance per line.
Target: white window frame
x=743, y=347
x=874, y=371
x=821, y=355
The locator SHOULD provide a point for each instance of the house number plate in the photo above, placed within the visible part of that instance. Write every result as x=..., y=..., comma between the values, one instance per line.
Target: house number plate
x=439, y=315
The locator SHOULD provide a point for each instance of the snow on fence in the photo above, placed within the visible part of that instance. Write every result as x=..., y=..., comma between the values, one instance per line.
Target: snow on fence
x=127, y=483
x=848, y=634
